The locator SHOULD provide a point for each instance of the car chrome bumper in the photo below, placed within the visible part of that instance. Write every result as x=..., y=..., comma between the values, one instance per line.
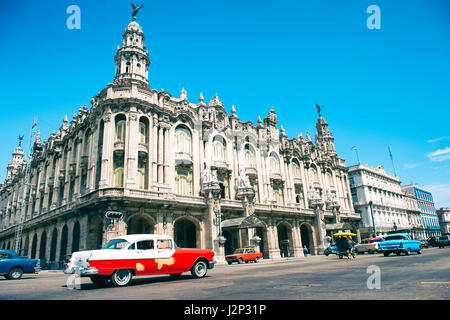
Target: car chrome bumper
x=83, y=271
x=211, y=264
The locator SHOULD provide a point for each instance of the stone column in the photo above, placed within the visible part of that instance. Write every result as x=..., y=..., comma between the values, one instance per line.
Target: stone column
x=155, y=151
x=132, y=147
x=160, y=154
x=107, y=150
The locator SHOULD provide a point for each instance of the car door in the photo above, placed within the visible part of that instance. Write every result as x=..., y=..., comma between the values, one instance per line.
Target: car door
x=143, y=254
x=165, y=262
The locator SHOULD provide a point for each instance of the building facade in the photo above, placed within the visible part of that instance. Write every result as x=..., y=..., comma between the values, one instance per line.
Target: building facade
x=428, y=214
x=163, y=164
x=444, y=220
x=379, y=198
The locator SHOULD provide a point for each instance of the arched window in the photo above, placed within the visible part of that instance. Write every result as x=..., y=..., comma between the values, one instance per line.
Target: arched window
x=330, y=179
x=184, y=140
x=314, y=175
x=249, y=156
x=120, y=128
x=274, y=163
x=296, y=172
x=219, y=149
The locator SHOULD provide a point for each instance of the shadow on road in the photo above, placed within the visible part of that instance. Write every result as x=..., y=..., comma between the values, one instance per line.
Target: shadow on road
x=139, y=281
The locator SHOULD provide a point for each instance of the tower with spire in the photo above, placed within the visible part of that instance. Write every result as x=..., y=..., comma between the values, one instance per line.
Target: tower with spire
x=132, y=59
x=324, y=138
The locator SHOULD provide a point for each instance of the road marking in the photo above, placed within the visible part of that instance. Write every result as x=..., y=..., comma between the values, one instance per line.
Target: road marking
x=426, y=283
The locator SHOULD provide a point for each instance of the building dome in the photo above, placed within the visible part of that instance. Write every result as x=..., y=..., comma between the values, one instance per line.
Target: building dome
x=134, y=26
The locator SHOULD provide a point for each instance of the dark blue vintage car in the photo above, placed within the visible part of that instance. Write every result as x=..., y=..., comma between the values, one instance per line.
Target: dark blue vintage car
x=12, y=266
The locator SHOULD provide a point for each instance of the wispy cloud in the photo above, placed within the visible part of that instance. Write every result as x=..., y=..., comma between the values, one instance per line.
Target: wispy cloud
x=410, y=165
x=440, y=155
x=438, y=139
x=441, y=194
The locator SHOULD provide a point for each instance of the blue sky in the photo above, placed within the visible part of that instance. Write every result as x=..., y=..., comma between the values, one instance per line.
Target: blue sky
x=379, y=87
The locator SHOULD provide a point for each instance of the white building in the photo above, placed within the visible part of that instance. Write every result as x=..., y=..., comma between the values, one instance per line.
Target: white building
x=170, y=165
x=444, y=220
x=378, y=197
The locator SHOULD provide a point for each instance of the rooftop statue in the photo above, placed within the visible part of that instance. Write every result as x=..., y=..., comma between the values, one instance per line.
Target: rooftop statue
x=136, y=9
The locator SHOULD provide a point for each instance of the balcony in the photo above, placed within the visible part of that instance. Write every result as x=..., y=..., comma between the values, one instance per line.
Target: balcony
x=183, y=158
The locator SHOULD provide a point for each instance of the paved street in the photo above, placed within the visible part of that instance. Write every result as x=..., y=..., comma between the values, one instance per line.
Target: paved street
x=424, y=276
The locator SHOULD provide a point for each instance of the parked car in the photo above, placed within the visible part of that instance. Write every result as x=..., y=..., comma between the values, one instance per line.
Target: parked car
x=399, y=243
x=139, y=255
x=443, y=241
x=242, y=255
x=424, y=243
x=12, y=266
x=369, y=245
x=432, y=241
x=332, y=249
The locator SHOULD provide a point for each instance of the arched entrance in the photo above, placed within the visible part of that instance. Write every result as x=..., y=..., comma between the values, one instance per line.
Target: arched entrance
x=53, y=243
x=306, y=235
x=63, y=244
x=76, y=237
x=285, y=242
x=228, y=243
x=140, y=224
x=42, y=247
x=33, y=247
x=185, y=233
x=95, y=235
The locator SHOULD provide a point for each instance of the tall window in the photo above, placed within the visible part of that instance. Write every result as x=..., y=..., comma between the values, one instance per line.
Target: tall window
x=249, y=156
x=120, y=128
x=274, y=163
x=278, y=195
x=314, y=175
x=143, y=171
x=183, y=181
x=299, y=198
x=118, y=171
x=296, y=170
x=219, y=149
x=143, y=131
x=330, y=179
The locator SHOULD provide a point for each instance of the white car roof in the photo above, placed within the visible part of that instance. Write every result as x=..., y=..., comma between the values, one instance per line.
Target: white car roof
x=136, y=237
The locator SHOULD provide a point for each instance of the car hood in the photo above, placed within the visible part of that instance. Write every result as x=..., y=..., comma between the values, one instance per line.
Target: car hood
x=388, y=243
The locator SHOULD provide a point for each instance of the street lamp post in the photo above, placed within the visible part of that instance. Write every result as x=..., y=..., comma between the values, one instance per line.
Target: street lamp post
x=373, y=221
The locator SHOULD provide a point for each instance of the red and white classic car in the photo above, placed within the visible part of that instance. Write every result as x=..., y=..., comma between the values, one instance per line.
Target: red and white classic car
x=139, y=255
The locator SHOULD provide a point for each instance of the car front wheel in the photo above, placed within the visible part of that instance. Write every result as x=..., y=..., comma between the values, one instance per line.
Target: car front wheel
x=199, y=269
x=121, y=278
x=15, y=273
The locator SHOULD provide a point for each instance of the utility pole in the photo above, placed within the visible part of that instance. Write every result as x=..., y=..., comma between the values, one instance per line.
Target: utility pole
x=392, y=160
x=26, y=185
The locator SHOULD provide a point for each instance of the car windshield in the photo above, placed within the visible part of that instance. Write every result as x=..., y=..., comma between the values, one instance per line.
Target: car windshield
x=395, y=238
x=116, y=244
x=375, y=240
x=239, y=251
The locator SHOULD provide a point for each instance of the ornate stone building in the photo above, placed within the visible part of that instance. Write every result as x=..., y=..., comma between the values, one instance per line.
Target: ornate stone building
x=164, y=164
